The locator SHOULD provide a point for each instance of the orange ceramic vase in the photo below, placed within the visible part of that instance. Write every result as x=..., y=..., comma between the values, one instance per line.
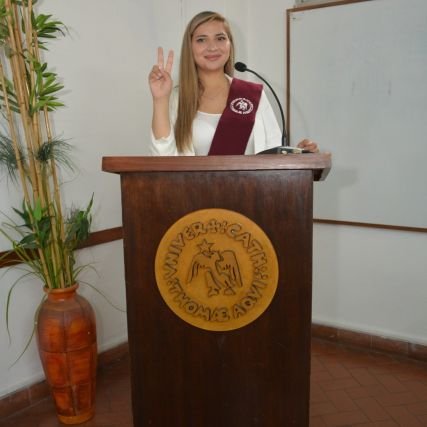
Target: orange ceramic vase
x=66, y=337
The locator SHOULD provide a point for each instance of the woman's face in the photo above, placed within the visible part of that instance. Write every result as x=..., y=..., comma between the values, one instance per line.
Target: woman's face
x=211, y=46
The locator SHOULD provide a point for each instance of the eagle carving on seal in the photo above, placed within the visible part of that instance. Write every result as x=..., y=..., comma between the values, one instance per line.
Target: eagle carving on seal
x=220, y=270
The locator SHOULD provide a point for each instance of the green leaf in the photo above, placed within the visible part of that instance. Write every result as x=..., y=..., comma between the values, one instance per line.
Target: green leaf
x=37, y=212
x=49, y=79
x=8, y=300
x=29, y=242
x=52, y=89
x=32, y=333
x=54, y=105
x=24, y=214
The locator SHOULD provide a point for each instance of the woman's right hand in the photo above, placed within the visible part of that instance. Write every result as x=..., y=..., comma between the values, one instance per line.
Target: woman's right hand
x=160, y=79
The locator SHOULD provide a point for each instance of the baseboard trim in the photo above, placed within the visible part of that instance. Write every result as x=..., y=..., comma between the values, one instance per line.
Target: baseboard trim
x=370, y=342
x=28, y=396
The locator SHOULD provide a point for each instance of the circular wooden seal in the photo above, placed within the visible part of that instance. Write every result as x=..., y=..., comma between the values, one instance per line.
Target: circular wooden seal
x=216, y=269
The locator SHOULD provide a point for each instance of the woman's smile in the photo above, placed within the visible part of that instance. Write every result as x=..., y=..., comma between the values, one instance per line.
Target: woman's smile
x=213, y=57
x=211, y=46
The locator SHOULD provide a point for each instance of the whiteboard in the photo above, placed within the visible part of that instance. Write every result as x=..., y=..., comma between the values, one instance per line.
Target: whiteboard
x=358, y=86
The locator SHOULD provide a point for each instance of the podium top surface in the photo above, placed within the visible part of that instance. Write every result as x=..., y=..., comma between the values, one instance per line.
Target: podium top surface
x=319, y=163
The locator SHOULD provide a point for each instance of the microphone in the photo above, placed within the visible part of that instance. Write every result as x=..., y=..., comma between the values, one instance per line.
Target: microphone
x=284, y=148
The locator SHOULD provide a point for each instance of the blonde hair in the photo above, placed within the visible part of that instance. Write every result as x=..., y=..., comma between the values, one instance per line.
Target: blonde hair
x=189, y=84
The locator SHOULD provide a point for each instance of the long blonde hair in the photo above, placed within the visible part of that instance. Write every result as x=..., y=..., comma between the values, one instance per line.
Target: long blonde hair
x=189, y=84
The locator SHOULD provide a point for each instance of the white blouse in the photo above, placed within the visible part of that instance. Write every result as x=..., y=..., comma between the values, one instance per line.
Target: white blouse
x=204, y=127
x=265, y=133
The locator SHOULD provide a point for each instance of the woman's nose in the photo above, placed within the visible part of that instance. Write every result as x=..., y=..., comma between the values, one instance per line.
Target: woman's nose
x=212, y=45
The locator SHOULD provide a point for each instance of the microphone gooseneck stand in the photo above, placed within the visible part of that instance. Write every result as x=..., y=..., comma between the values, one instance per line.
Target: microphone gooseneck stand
x=284, y=148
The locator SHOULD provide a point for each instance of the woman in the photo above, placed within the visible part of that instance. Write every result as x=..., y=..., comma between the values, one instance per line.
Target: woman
x=209, y=112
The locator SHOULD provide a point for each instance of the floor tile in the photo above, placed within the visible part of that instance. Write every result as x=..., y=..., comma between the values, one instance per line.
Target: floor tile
x=349, y=388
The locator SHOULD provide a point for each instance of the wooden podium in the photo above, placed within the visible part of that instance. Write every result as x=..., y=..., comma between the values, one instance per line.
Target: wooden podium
x=255, y=375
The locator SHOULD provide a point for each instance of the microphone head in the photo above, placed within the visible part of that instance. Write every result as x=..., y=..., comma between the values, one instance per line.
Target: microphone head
x=240, y=66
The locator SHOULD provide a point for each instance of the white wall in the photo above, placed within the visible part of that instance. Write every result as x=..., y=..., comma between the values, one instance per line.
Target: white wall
x=366, y=280
x=371, y=280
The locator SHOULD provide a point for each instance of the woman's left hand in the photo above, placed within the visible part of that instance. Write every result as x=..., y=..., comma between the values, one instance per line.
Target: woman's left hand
x=309, y=145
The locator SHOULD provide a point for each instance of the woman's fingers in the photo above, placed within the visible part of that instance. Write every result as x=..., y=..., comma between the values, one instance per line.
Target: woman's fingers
x=160, y=58
x=156, y=73
x=169, y=62
x=159, y=79
x=309, y=145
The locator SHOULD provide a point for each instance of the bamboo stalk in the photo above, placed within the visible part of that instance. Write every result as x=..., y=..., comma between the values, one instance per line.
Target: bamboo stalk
x=55, y=252
x=58, y=204
x=19, y=77
x=18, y=82
x=13, y=135
x=19, y=44
x=32, y=138
x=55, y=212
x=54, y=257
x=42, y=176
x=36, y=141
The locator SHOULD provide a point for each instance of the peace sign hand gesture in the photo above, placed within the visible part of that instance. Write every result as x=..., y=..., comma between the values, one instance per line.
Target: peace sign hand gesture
x=160, y=76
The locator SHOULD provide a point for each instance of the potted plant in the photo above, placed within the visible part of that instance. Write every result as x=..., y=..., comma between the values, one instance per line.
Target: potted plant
x=43, y=237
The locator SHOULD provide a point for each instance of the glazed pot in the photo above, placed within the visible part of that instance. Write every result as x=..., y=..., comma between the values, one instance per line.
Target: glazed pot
x=66, y=338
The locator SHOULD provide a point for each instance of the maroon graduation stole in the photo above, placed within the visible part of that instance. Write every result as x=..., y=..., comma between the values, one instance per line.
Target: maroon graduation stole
x=237, y=120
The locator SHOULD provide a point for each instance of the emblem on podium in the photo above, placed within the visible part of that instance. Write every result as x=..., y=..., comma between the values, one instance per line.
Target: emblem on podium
x=216, y=269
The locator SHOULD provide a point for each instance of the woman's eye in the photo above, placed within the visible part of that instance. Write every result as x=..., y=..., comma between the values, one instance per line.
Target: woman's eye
x=200, y=40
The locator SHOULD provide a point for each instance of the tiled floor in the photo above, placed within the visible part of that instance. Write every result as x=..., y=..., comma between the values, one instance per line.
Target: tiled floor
x=348, y=388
